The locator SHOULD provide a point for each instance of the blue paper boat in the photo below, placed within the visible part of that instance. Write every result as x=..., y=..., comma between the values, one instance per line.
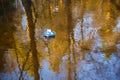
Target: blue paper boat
x=49, y=34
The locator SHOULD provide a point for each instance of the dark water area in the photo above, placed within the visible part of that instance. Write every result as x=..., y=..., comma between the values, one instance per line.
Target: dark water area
x=86, y=45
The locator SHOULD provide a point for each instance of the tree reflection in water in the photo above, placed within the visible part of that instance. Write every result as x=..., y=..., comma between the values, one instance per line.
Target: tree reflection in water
x=86, y=46
x=7, y=30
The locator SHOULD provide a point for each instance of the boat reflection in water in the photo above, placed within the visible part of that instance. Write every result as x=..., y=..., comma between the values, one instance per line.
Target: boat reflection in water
x=48, y=34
